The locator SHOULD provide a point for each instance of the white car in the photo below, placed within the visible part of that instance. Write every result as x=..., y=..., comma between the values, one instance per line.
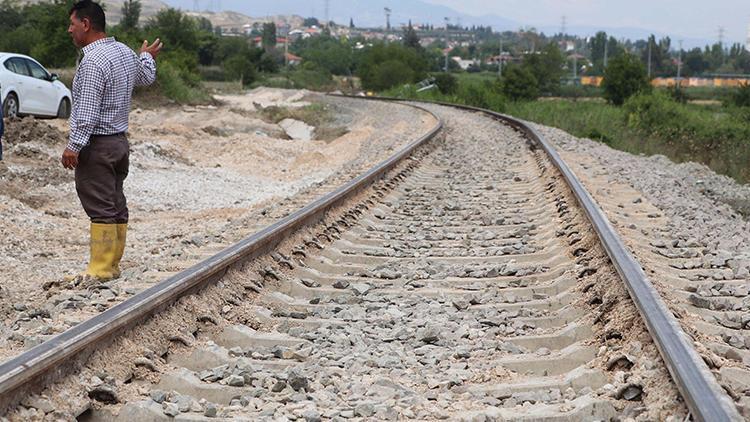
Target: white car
x=27, y=88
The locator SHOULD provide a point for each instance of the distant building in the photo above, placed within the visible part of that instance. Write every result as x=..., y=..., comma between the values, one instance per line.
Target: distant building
x=464, y=64
x=292, y=59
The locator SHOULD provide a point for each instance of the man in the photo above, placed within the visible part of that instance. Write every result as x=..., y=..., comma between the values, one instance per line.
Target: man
x=98, y=146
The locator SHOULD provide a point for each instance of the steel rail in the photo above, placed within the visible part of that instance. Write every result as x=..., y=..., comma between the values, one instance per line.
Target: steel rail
x=704, y=397
x=45, y=362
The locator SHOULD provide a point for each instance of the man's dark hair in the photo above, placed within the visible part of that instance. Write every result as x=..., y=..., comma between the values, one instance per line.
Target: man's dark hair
x=92, y=11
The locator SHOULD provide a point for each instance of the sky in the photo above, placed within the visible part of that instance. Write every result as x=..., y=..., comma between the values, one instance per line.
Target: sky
x=688, y=18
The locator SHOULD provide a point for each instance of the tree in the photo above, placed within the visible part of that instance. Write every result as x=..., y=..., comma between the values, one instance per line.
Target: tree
x=624, y=77
x=177, y=30
x=328, y=53
x=131, y=14
x=311, y=22
x=519, y=83
x=269, y=36
x=389, y=74
x=446, y=83
x=376, y=75
x=546, y=66
x=695, y=64
x=45, y=26
x=411, y=39
x=239, y=67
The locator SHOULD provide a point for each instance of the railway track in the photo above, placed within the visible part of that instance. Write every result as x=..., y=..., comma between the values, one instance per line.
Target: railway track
x=467, y=277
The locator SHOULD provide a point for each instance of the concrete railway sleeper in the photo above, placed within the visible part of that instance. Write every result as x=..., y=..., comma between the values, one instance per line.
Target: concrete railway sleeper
x=465, y=284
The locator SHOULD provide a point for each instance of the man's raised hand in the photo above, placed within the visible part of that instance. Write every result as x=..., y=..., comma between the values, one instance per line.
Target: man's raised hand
x=152, y=49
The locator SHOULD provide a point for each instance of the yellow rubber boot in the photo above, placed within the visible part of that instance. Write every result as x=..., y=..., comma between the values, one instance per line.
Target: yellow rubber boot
x=103, y=246
x=122, y=234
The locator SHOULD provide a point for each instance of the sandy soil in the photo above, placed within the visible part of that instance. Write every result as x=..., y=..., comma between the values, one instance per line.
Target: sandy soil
x=200, y=179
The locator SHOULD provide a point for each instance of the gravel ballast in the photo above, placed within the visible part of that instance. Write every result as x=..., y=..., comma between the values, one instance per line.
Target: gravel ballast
x=685, y=224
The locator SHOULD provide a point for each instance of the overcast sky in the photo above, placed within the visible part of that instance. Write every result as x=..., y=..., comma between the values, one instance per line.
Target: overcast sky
x=691, y=18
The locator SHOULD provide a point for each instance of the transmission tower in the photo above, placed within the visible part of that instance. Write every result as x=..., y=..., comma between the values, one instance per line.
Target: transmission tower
x=564, y=25
x=387, y=19
x=327, y=9
x=196, y=5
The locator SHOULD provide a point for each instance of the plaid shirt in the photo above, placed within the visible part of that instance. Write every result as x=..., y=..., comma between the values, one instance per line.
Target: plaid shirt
x=103, y=88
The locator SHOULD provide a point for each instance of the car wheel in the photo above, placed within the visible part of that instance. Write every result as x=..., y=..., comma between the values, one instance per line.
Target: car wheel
x=10, y=106
x=63, y=111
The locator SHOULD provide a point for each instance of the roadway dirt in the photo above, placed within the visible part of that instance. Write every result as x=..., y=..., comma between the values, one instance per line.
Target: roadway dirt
x=201, y=178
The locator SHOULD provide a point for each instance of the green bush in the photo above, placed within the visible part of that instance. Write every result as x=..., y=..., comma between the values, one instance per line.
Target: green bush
x=658, y=115
x=384, y=66
x=240, y=68
x=519, y=84
x=175, y=85
x=312, y=79
x=740, y=97
x=389, y=74
x=624, y=77
x=213, y=74
x=447, y=83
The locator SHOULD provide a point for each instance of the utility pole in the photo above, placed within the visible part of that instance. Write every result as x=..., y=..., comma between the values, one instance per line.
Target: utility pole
x=606, y=51
x=721, y=42
x=447, y=21
x=500, y=61
x=679, y=68
x=286, y=55
x=196, y=5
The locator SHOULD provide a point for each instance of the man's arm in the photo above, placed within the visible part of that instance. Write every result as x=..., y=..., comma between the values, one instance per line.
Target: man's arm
x=86, y=111
x=146, y=73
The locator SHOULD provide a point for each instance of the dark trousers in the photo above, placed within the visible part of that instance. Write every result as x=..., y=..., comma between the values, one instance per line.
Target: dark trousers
x=101, y=171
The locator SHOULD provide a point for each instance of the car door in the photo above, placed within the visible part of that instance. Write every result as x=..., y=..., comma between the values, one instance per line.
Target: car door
x=23, y=83
x=44, y=92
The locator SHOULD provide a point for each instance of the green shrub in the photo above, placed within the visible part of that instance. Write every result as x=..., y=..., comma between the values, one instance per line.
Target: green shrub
x=740, y=97
x=382, y=66
x=213, y=73
x=239, y=67
x=658, y=115
x=389, y=74
x=447, y=83
x=175, y=85
x=624, y=77
x=519, y=84
x=312, y=79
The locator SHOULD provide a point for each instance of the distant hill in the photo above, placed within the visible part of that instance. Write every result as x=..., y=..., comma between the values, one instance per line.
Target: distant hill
x=113, y=8
x=231, y=19
x=365, y=13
